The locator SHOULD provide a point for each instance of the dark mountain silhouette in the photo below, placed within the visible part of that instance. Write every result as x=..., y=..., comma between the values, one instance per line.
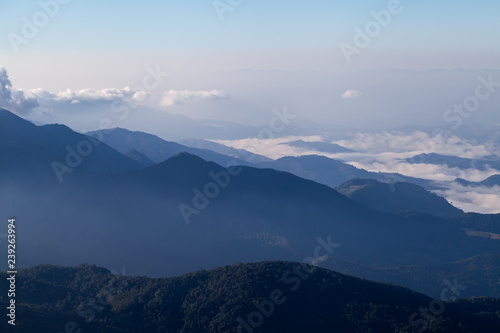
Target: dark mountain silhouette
x=488, y=182
x=396, y=197
x=455, y=162
x=27, y=146
x=260, y=297
x=324, y=147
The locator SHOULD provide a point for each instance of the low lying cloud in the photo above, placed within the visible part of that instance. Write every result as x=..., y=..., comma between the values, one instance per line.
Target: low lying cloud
x=351, y=94
x=415, y=143
x=473, y=199
x=15, y=100
x=385, y=163
x=272, y=148
x=175, y=97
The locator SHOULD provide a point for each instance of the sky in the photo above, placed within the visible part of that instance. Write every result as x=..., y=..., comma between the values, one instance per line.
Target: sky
x=237, y=60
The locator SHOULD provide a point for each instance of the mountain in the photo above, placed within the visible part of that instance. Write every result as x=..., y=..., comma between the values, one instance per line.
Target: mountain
x=456, y=162
x=240, y=154
x=139, y=157
x=155, y=148
x=396, y=197
x=332, y=172
x=488, y=182
x=261, y=297
x=187, y=213
x=488, y=223
x=318, y=168
x=319, y=146
x=53, y=149
x=314, y=167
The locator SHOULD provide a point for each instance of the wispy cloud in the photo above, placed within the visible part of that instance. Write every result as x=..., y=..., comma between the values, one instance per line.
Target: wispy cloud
x=174, y=97
x=351, y=94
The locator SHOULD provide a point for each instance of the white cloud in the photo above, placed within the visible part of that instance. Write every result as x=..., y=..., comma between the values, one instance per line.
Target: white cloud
x=272, y=148
x=416, y=142
x=387, y=163
x=174, y=97
x=387, y=151
x=351, y=94
x=473, y=199
x=23, y=102
x=14, y=99
x=89, y=95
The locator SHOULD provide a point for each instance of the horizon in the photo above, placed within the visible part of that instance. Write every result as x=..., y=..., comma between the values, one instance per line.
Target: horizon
x=237, y=63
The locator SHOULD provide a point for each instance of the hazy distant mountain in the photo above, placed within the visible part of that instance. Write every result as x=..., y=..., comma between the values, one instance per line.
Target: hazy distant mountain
x=398, y=196
x=240, y=154
x=332, y=172
x=155, y=148
x=319, y=146
x=455, y=162
x=318, y=168
x=260, y=297
x=488, y=182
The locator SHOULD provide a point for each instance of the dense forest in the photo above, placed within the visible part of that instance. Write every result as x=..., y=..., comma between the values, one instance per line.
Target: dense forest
x=261, y=297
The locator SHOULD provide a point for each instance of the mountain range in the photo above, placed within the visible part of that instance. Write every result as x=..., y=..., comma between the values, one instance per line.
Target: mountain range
x=103, y=207
x=318, y=168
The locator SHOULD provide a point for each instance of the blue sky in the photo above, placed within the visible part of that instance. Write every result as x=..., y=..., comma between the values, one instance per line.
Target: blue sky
x=109, y=44
x=165, y=25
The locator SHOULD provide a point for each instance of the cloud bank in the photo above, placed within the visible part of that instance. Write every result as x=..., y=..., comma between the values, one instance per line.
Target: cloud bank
x=175, y=97
x=473, y=199
x=89, y=95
